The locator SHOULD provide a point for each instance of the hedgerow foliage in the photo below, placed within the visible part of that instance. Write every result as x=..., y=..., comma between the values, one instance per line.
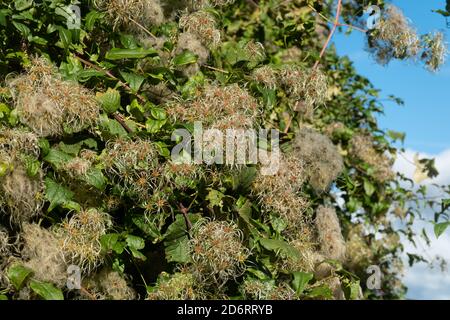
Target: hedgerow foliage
x=87, y=180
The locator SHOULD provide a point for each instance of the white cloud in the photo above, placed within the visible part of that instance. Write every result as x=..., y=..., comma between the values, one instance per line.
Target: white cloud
x=422, y=281
x=405, y=165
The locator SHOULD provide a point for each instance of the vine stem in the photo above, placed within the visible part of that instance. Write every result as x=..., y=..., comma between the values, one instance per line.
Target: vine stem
x=330, y=36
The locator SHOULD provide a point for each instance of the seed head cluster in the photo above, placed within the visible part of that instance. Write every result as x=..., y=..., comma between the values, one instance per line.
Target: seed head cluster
x=218, y=252
x=49, y=105
x=362, y=147
x=179, y=286
x=322, y=161
x=329, y=232
x=132, y=15
x=203, y=25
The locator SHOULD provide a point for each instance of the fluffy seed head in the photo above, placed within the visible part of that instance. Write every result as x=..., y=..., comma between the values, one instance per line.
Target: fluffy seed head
x=231, y=106
x=435, y=51
x=362, y=148
x=21, y=196
x=332, y=242
x=309, y=85
x=203, y=25
x=43, y=254
x=266, y=76
x=323, y=162
x=49, y=105
x=394, y=37
x=218, y=254
x=129, y=14
x=179, y=286
x=79, y=237
x=189, y=41
x=109, y=285
x=18, y=140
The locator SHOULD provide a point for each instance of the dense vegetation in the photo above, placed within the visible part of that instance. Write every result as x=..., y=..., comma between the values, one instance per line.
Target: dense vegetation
x=87, y=179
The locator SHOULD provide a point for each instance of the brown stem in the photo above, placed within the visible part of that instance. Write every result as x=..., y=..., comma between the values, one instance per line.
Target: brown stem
x=333, y=30
x=184, y=211
x=109, y=74
x=122, y=122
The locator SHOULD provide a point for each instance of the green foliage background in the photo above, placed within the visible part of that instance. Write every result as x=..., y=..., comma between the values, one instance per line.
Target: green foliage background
x=148, y=243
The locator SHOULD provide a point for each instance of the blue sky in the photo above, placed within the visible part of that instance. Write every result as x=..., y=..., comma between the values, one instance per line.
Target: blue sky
x=425, y=118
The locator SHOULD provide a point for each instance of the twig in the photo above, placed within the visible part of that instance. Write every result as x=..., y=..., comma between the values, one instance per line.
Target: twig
x=86, y=292
x=121, y=120
x=333, y=30
x=216, y=69
x=184, y=211
x=109, y=74
x=143, y=28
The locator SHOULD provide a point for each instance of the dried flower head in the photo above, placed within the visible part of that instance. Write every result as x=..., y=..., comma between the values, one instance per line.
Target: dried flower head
x=49, y=105
x=332, y=242
x=362, y=147
x=265, y=75
x=190, y=42
x=178, y=286
x=358, y=252
x=133, y=163
x=22, y=195
x=218, y=253
x=17, y=140
x=108, y=285
x=203, y=25
x=132, y=15
x=79, y=238
x=309, y=85
x=323, y=162
x=394, y=37
x=278, y=193
x=219, y=107
x=4, y=243
x=255, y=289
x=43, y=254
x=435, y=50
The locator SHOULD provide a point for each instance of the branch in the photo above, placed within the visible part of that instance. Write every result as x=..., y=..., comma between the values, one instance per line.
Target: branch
x=184, y=211
x=109, y=74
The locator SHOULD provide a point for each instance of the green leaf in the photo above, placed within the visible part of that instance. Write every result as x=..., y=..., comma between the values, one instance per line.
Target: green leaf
x=110, y=242
x=3, y=297
x=153, y=125
x=445, y=205
x=323, y=292
x=301, y=279
x=178, y=251
x=46, y=290
x=280, y=245
x=352, y=290
x=17, y=274
x=134, y=80
x=23, y=29
x=57, y=158
x=369, y=188
x=56, y=194
x=215, y=198
x=439, y=228
x=91, y=18
x=147, y=227
x=65, y=36
x=187, y=57
x=135, y=242
x=72, y=149
x=138, y=53
x=177, y=241
x=95, y=178
x=22, y=4
x=110, y=100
